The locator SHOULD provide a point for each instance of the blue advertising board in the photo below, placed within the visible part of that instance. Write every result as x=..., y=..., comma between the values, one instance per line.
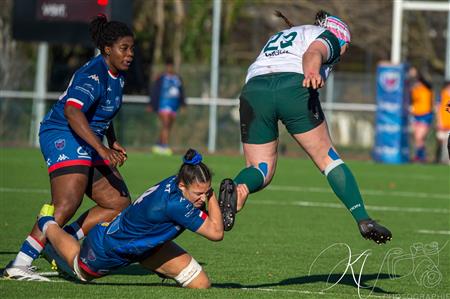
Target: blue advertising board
x=391, y=130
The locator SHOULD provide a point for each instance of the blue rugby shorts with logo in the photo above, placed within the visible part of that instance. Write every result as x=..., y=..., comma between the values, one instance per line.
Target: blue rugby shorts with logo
x=63, y=149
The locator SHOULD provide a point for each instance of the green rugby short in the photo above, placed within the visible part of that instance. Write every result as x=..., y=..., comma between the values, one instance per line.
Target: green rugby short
x=268, y=98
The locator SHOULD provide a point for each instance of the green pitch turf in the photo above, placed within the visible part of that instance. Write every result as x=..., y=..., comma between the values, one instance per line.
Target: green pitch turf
x=292, y=240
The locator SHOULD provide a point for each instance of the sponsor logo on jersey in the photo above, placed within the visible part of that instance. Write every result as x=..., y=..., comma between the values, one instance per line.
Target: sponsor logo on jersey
x=62, y=157
x=85, y=91
x=122, y=83
x=276, y=53
x=190, y=212
x=109, y=88
x=82, y=153
x=390, y=81
x=95, y=78
x=49, y=161
x=60, y=144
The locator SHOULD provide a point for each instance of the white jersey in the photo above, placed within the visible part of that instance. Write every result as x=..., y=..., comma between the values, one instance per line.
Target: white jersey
x=284, y=51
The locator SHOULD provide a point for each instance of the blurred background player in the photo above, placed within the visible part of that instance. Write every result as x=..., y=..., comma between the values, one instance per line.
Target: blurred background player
x=71, y=140
x=443, y=124
x=282, y=85
x=144, y=232
x=167, y=96
x=421, y=94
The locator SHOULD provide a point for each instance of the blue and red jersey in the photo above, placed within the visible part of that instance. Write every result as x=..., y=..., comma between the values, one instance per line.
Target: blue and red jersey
x=159, y=215
x=93, y=89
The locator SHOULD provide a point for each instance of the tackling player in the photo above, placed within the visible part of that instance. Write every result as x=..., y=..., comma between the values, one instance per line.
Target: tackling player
x=282, y=84
x=144, y=232
x=71, y=136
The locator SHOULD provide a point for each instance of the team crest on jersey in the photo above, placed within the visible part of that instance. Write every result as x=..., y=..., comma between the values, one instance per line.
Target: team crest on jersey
x=95, y=78
x=60, y=144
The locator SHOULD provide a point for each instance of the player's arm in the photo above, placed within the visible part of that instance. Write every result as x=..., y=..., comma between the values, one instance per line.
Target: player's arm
x=314, y=57
x=212, y=227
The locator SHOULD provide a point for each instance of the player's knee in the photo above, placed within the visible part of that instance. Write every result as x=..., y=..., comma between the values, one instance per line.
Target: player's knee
x=201, y=282
x=65, y=211
x=193, y=276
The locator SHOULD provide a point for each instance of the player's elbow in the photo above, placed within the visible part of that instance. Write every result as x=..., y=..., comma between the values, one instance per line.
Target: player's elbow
x=216, y=236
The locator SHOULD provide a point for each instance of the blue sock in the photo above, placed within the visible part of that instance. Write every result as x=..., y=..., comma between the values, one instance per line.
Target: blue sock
x=421, y=153
x=30, y=250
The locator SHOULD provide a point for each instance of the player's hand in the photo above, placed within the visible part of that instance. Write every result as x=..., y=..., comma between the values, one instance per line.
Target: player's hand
x=118, y=147
x=314, y=81
x=115, y=157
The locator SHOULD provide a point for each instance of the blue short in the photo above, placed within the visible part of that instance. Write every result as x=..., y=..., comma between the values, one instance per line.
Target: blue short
x=63, y=149
x=169, y=106
x=425, y=118
x=93, y=258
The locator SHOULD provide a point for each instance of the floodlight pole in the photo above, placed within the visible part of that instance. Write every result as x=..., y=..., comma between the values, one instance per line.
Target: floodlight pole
x=212, y=132
x=40, y=90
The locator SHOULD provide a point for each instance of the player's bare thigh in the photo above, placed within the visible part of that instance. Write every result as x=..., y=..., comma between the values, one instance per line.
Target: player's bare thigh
x=317, y=143
x=108, y=189
x=170, y=260
x=67, y=193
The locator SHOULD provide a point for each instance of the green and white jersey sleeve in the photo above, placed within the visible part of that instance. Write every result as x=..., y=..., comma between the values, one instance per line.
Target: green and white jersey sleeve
x=284, y=51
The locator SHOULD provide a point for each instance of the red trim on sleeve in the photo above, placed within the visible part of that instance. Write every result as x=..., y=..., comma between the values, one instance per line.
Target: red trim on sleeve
x=69, y=163
x=74, y=104
x=203, y=215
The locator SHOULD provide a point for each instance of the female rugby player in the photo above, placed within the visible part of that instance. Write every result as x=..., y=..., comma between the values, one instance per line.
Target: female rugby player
x=144, y=231
x=282, y=85
x=71, y=137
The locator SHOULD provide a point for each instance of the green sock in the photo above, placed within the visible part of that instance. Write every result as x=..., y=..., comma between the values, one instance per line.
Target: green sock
x=345, y=187
x=252, y=177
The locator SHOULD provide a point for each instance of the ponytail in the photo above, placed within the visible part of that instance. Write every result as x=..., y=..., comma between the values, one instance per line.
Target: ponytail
x=193, y=170
x=280, y=15
x=104, y=33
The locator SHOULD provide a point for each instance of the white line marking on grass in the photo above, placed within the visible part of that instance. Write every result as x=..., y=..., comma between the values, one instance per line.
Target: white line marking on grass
x=23, y=190
x=295, y=203
x=286, y=188
x=340, y=206
x=363, y=191
x=434, y=232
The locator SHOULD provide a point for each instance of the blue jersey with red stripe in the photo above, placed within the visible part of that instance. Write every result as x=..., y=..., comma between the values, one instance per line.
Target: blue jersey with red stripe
x=94, y=90
x=157, y=216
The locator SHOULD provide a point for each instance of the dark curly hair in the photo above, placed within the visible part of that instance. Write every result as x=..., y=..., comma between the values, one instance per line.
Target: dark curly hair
x=104, y=33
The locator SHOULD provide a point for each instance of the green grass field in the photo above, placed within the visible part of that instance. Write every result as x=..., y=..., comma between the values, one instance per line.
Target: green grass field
x=272, y=250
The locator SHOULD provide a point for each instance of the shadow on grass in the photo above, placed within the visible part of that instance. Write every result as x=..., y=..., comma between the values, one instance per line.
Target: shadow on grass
x=346, y=279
